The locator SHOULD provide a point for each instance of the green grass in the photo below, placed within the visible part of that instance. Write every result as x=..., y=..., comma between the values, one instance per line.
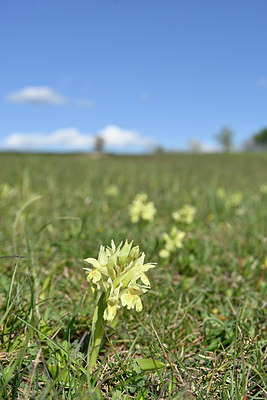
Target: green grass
x=204, y=316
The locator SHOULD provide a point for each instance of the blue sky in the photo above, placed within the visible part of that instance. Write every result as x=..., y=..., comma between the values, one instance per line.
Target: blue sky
x=138, y=72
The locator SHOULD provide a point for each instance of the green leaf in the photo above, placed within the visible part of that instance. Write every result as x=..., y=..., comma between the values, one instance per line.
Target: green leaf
x=148, y=364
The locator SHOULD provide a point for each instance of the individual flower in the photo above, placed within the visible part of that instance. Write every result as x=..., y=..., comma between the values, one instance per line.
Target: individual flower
x=263, y=188
x=141, y=209
x=119, y=272
x=130, y=297
x=6, y=191
x=211, y=217
x=220, y=192
x=173, y=241
x=112, y=191
x=234, y=200
x=87, y=201
x=185, y=215
x=112, y=303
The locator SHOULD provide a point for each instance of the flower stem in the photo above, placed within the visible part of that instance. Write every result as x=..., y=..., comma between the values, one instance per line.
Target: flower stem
x=98, y=327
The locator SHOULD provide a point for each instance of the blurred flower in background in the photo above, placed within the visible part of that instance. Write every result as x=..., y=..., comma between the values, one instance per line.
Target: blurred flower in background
x=173, y=241
x=141, y=209
x=185, y=215
x=112, y=191
x=263, y=188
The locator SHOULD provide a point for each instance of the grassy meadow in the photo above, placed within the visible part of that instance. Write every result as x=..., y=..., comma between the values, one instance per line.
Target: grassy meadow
x=204, y=316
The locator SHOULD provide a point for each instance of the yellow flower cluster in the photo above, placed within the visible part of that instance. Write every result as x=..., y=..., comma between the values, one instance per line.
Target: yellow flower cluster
x=263, y=188
x=220, y=192
x=231, y=200
x=6, y=191
x=116, y=272
x=142, y=209
x=234, y=200
x=185, y=215
x=173, y=241
x=112, y=191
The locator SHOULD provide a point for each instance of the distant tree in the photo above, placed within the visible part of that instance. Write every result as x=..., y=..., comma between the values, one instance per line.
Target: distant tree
x=99, y=144
x=260, y=138
x=225, y=139
x=158, y=150
x=249, y=145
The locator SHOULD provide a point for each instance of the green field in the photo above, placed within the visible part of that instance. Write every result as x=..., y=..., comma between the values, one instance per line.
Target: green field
x=204, y=316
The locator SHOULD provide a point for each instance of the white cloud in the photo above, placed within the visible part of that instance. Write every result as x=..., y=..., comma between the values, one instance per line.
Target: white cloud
x=44, y=95
x=262, y=83
x=67, y=139
x=36, y=95
x=71, y=139
x=113, y=135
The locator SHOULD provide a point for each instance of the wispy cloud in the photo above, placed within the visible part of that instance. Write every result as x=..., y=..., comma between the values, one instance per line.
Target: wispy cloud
x=84, y=103
x=44, y=95
x=113, y=135
x=71, y=139
x=262, y=83
x=36, y=95
x=66, y=139
x=144, y=96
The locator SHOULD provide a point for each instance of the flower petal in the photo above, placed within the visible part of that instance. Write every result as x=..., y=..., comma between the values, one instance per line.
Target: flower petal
x=93, y=262
x=102, y=257
x=138, y=304
x=94, y=276
x=127, y=299
x=110, y=312
x=144, y=279
x=164, y=253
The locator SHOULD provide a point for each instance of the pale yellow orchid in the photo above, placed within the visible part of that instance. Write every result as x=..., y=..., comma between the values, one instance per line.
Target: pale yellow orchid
x=130, y=297
x=263, y=188
x=173, y=241
x=6, y=191
x=141, y=209
x=231, y=200
x=220, y=192
x=164, y=253
x=234, y=200
x=112, y=303
x=112, y=191
x=185, y=215
x=116, y=272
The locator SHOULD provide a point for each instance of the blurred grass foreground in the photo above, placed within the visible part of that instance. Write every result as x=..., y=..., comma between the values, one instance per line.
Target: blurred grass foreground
x=203, y=220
